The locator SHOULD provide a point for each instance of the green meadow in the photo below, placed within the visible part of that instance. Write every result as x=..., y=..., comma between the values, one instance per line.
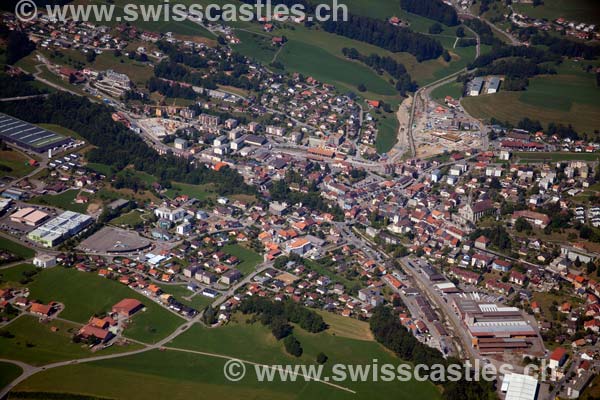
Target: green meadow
x=42, y=343
x=85, y=294
x=15, y=248
x=577, y=10
x=249, y=259
x=193, y=363
x=8, y=373
x=570, y=97
x=64, y=201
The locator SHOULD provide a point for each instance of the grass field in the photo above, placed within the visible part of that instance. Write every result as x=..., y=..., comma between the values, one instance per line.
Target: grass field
x=65, y=201
x=16, y=248
x=13, y=163
x=387, y=136
x=328, y=272
x=35, y=343
x=266, y=349
x=182, y=293
x=104, y=169
x=305, y=45
x=545, y=157
x=454, y=89
x=578, y=10
x=173, y=375
x=200, y=192
x=249, y=258
x=85, y=294
x=571, y=97
x=8, y=373
x=131, y=219
x=346, y=327
x=12, y=276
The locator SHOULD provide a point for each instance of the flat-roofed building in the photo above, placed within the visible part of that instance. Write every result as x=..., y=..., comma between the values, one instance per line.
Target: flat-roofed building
x=29, y=216
x=61, y=228
x=519, y=387
x=493, y=85
x=494, y=328
x=475, y=86
x=44, y=261
x=29, y=136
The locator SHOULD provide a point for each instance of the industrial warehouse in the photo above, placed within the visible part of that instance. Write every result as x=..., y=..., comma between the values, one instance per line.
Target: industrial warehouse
x=61, y=228
x=494, y=328
x=29, y=136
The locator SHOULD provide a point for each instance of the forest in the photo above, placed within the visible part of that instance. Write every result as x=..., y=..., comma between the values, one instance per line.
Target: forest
x=18, y=44
x=382, y=34
x=486, y=36
x=396, y=70
x=432, y=9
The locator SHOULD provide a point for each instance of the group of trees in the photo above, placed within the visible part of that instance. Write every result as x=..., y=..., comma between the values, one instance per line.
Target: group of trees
x=396, y=70
x=566, y=47
x=280, y=191
x=534, y=54
x=516, y=71
x=389, y=331
x=432, y=9
x=279, y=315
x=268, y=311
x=18, y=44
x=177, y=56
x=486, y=35
x=382, y=34
x=129, y=180
x=498, y=236
x=14, y=86
x=117, y=146
x=170, y=89
x=171, y=70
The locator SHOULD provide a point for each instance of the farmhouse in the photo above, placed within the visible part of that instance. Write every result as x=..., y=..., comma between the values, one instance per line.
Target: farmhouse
x=127, y=307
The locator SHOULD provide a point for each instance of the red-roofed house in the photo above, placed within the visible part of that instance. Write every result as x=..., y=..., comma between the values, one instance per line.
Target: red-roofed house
x=127, y=307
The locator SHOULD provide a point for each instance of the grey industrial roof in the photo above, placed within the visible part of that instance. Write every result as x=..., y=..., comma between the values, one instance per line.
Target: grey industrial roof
x=27, y=135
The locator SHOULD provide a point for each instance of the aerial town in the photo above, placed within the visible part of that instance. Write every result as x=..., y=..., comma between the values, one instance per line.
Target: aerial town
x=168, y=202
